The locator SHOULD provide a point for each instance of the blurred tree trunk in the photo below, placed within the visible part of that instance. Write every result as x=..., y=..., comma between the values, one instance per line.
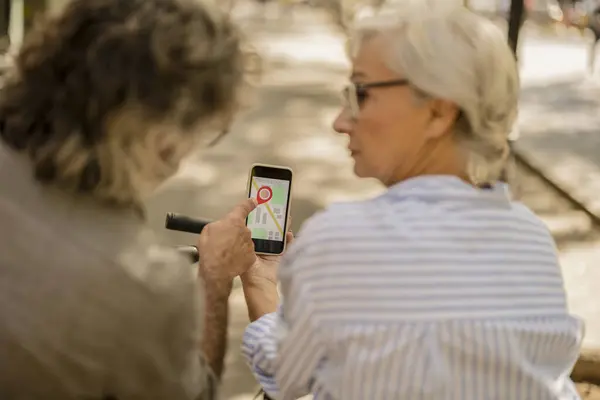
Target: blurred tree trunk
x=338, y=10
x=516, y=17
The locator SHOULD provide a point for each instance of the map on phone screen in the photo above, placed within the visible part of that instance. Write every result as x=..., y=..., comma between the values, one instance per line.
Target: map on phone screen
x=267, y=221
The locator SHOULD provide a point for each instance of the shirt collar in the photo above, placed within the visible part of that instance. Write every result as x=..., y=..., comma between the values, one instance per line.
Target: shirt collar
x=444, y=186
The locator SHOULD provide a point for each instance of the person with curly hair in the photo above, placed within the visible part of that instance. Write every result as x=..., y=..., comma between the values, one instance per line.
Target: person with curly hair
x=104, y=101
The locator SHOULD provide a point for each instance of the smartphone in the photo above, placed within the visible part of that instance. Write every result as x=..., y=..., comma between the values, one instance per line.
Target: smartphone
x=271, y=186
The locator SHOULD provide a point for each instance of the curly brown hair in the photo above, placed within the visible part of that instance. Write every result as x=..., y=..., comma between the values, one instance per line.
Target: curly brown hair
x=107, y=97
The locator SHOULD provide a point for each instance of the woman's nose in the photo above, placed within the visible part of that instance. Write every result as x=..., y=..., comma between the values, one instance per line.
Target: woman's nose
x=343, y=122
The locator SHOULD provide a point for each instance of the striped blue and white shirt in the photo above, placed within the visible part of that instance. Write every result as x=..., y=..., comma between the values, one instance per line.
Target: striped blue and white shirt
x=434, y=290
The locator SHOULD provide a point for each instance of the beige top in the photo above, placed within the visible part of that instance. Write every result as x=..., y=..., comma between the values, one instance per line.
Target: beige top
x=91, y=307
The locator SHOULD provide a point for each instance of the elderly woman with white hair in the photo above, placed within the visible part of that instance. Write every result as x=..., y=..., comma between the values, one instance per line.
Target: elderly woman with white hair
x=442, y=287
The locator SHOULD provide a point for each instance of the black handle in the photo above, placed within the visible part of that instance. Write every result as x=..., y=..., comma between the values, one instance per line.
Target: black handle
x=178, y=222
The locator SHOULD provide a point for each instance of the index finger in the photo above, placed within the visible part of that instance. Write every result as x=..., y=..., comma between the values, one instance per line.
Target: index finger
x=241, y=211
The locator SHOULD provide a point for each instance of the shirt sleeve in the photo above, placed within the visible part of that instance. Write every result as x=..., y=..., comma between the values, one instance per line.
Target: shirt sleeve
x=284, y=348
x=259, y=353
x=157, y=354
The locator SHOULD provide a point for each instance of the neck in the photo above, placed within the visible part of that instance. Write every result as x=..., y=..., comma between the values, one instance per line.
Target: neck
x=440, y=157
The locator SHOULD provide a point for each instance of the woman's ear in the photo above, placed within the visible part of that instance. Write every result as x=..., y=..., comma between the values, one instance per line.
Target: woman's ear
x=444, y=114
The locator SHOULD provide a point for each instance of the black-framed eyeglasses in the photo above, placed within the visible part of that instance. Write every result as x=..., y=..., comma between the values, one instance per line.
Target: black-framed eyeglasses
x=355, y=94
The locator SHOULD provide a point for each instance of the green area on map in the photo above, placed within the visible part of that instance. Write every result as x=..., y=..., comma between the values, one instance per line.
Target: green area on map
x=259, y=233
x=279, y=195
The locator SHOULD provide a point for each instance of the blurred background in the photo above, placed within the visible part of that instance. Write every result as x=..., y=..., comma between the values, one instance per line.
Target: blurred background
x=287, y=122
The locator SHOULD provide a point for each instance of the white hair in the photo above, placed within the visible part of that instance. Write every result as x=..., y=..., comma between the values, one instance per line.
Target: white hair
x=448, y=52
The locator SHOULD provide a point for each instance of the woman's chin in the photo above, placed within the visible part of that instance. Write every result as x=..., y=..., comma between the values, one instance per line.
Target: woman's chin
x=364, y=171
x=360, y=170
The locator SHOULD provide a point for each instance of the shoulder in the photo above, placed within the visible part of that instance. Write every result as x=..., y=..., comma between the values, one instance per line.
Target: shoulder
x=525, y=220
x=159, y=298
x=155, y=268
x=157, y=290
x=337, y=229
x=395, y=225
x=337, y=221
x=134, y=270
x=365, y=219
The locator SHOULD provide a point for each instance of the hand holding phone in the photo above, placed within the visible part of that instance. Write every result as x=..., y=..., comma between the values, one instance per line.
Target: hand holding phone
x=271, y=186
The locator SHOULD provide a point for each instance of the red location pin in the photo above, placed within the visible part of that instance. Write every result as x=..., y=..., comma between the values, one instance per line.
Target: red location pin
x=264, y=194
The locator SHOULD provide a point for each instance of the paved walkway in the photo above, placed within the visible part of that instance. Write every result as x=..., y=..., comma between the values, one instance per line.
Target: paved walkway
x=290, y=124
x=559, y=115
x=560, y=135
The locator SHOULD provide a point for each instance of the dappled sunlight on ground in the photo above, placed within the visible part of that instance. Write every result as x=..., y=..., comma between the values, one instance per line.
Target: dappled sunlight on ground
x=561, y=123
x=566, y=224
x=304, y=50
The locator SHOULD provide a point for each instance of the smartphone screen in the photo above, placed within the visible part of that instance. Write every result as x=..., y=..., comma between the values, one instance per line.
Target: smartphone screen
x=271, y=187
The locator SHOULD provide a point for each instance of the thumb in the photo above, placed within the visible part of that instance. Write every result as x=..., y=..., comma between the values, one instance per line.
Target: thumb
x=241, y=211
x=289, y=238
